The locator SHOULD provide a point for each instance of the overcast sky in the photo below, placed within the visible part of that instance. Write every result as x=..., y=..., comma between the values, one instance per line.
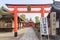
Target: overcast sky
x=2, y=2
x=27, y=1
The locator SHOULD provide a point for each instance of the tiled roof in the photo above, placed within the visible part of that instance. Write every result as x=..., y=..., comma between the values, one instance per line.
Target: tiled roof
x=56, y=5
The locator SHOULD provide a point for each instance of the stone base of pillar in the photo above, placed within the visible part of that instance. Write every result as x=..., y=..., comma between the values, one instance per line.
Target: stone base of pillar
x=15, y=34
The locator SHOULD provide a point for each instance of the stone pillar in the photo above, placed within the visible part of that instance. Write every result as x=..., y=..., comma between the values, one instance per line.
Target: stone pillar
x=53, y=23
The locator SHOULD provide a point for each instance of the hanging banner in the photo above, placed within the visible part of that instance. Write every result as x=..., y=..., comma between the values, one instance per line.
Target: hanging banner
x=44, y=26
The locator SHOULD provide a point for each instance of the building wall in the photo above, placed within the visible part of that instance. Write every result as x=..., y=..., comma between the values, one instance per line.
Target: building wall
x=5, y=24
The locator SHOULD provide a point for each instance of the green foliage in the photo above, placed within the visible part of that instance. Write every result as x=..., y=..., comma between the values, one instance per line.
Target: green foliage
x=26, y=19
x=30, y=20
x=37, y=19
x=23, y=16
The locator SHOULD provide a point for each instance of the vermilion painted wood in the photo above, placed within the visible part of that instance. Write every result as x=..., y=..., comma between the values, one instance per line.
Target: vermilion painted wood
x=15, y=19
x=42, y=11
x=31, y=6
x=31, y=11
x=17, y=6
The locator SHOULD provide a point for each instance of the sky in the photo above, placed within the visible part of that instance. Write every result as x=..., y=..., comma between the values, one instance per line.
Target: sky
x=2, y=2
x=27, y=1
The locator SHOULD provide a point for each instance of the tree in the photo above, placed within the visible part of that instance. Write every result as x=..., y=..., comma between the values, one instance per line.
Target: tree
x=23, y=16
x=26, y=19
x=37, y=19
x=31, y=20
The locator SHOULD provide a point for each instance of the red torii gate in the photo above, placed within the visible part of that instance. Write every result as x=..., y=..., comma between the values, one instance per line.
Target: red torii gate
x=15, y=11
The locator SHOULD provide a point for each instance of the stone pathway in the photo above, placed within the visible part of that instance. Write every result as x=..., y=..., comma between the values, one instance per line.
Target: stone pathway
x=29, y=35
x=10, y=35
x=23, y=34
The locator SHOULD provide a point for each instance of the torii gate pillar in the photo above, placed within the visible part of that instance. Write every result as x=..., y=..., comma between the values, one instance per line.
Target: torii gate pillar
x=15, y=21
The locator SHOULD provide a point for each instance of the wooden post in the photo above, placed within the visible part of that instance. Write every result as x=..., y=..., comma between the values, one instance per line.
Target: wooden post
x=15, y=21
x=42, y=11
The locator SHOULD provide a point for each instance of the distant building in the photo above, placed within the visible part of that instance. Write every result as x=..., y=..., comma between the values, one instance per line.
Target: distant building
x=30, y=23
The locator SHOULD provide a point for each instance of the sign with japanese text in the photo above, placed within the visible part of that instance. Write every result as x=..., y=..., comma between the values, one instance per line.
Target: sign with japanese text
x=44, y=26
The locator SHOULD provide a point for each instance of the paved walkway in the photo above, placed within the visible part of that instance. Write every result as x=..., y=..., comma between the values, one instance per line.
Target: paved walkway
x=10, y=35
x=23, y=34
x=29, y=35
